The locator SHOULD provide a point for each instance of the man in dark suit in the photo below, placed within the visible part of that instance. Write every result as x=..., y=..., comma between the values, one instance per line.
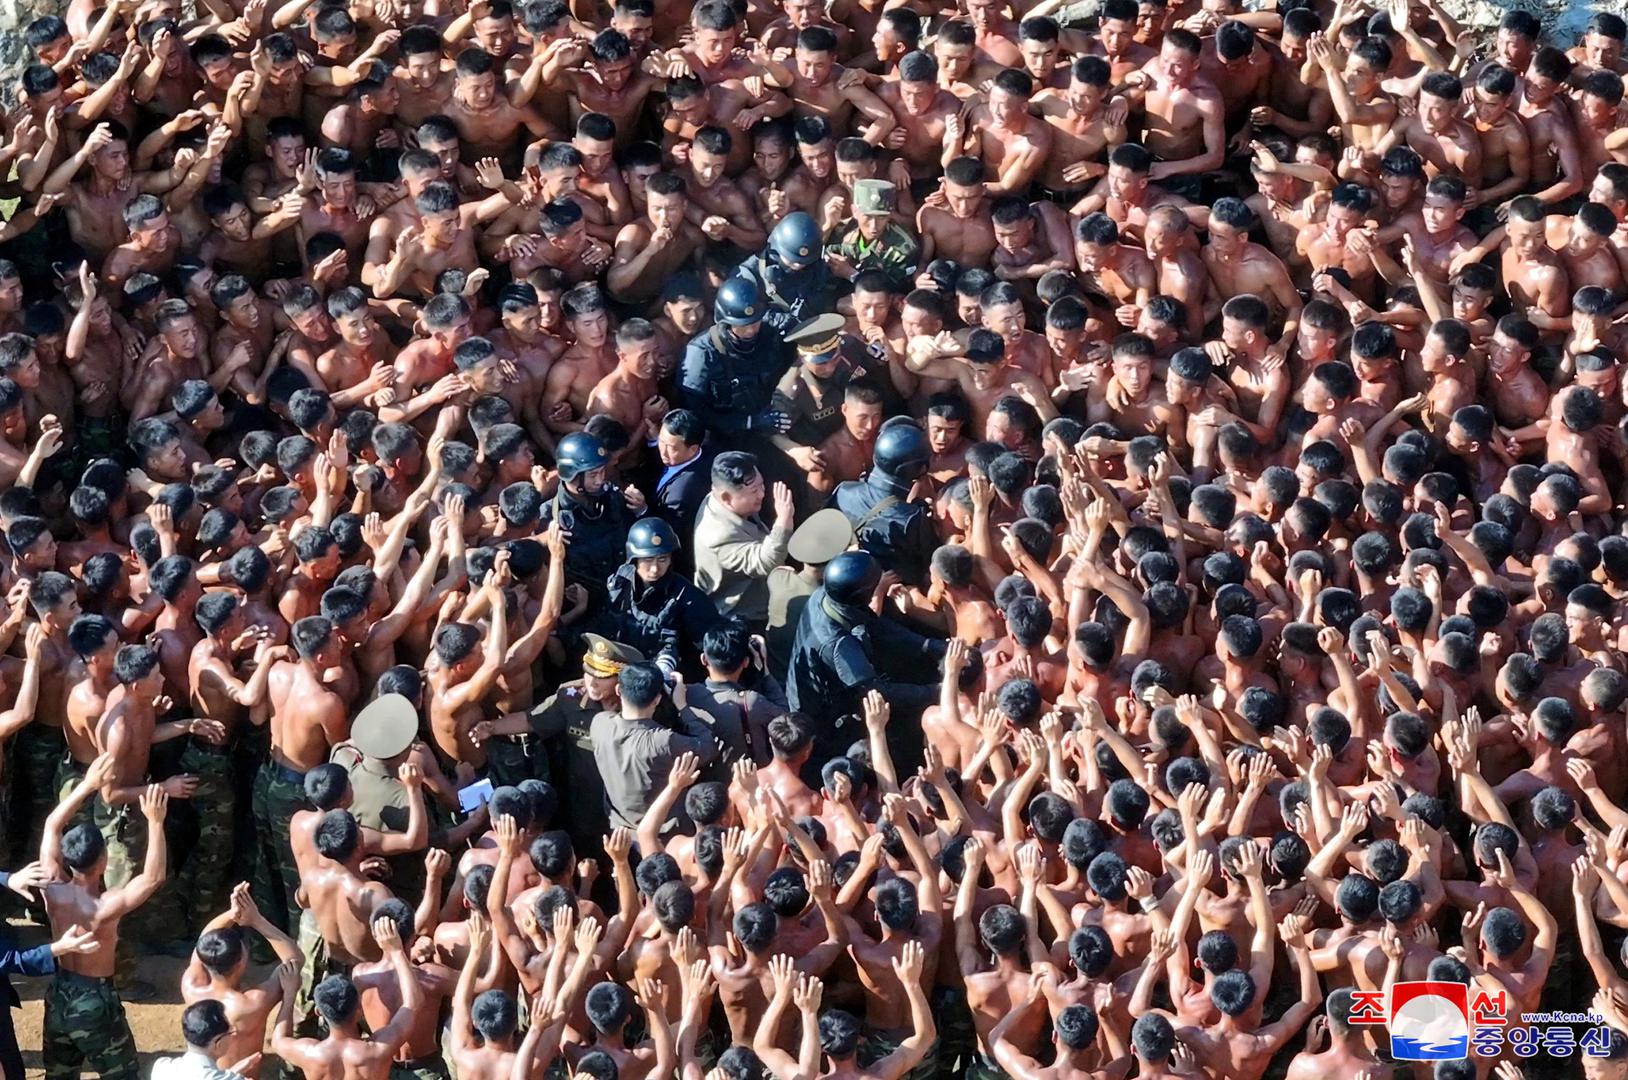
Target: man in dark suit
x=40, y=960
x=685, y=477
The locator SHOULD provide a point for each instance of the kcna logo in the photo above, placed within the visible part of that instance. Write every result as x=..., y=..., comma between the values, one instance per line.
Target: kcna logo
x=1444, y=1021
x=1429, y=1021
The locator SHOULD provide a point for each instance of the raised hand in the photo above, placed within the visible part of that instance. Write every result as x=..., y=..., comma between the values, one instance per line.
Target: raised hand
x=387, y=935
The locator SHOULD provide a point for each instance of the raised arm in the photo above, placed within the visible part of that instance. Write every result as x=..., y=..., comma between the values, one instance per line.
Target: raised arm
x=907, y=969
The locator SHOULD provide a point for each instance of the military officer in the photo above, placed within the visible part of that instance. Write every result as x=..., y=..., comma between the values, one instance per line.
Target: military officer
x=592, y=512
x=564, y=721
x=844, y=650
x=887, y=522
x=811, y=393
x=825, y=535
x=877, y=240
x=791, y=272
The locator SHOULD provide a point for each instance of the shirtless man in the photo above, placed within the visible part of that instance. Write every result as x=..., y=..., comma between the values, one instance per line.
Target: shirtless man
x=955, y=223
x=423, y=80
x=1012, y=144
x=1133, y=397
x=629, y=392
x=1438, y=131
x=1326, y=247
x=1346, y=1051
x=96, y=204
x=460, y=675
x=1556, y=158
x=1128, y=196
x=1241, y=1051
x=922, y=109
x=819, y=86
x=718, y=206
x=442, y=239
x=649, y=250
x=1366, y=111
x=81, y=901
x=334, y=205
x=1506, y=149
x=217, y=969
x=1179, y=273
x=1083, y=129
x=846, y=453
x=583, y=365
x=1184, y=121
x=482, y=1044
x=344, y=1054
x=358, y=366
x=981, y=369
x=487, y=119
x=152, y=246
x=1237, y=266
x=1438, y=235
x=307, y=720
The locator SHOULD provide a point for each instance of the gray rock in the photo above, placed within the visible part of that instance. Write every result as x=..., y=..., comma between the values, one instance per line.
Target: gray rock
x=14, y=15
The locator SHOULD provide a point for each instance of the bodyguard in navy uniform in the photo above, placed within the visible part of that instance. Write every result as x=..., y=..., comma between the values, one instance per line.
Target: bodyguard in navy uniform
x=790, y=273
x=844, y=650
x=594, y=513
x=731, y=368
x=886, y=524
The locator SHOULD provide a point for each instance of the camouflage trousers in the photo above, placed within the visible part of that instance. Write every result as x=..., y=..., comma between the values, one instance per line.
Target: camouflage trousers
x=69, y=774
x=957, y=1048
x=983, y=1068
x=38, y=750
x=204, y=880
x=124, y=831
x=319, y=964
x=876, y=1045
x=433, y=1067
x=85, y=1027
x=279, y=793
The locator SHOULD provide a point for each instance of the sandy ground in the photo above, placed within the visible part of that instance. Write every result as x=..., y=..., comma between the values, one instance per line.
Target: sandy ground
x=156, y=1024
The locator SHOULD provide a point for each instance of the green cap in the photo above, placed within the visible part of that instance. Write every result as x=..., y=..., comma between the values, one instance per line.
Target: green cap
x=874, y=197
x=606, y=658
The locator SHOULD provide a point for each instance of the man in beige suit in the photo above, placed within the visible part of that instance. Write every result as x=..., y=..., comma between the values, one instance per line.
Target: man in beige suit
x=734, y=550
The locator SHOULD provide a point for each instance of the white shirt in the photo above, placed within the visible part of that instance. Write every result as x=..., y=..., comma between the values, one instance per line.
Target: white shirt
x=192, y=1065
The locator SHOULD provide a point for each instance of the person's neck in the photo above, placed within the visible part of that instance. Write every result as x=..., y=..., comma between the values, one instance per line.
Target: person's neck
x=1070, y=1059
x=102, y=184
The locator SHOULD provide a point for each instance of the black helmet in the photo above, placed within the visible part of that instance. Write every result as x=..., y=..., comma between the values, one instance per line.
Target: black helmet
x=738, y=302
x=651, y=537
x=795, y=241
x=578, y=453
x=902, y=451
x=851, y=577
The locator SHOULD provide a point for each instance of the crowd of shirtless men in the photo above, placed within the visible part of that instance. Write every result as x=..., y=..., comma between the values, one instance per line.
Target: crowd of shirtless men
x=1270, y=364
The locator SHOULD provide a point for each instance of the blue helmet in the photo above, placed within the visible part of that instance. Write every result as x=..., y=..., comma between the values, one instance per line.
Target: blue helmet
x=796, y=241
x=902, y=450
x=578, y=453
x=650, y=538
x=738, y=302
x=851, y=577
